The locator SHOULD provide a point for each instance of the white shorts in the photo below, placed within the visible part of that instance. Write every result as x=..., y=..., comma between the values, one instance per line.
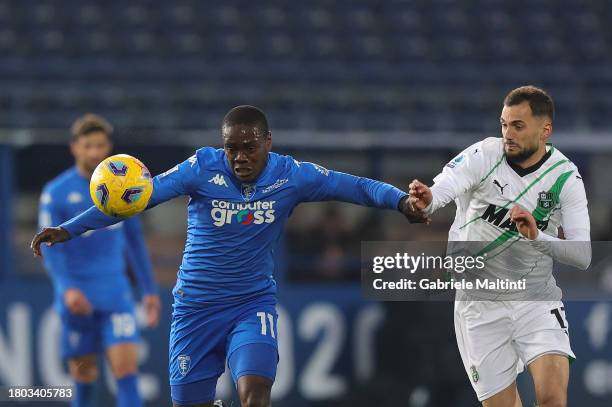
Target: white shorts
x=497, y=339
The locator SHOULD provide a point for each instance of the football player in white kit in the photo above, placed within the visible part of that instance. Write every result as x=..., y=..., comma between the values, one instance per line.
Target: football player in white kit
x=515, y=189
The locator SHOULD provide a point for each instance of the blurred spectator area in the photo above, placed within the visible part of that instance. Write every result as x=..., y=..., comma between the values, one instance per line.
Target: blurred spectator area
x=420, y=65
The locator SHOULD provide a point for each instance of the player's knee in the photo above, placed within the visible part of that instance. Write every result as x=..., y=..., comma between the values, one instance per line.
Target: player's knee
x=255, y=401
x=123, y=368
x=254, y=398
x=552, y=400
x=84, y=372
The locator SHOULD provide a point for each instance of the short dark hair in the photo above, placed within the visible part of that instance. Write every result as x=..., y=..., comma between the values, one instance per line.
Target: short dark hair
x=540, y=102
x=247, y=115
x=90, y=123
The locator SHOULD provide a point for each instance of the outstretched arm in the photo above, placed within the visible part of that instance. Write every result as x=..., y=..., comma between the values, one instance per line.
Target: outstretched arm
x=174, y=182
x=320, y=184
x=460, y=175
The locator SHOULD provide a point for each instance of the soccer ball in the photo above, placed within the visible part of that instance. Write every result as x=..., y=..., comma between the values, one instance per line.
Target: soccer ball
x=121, y=186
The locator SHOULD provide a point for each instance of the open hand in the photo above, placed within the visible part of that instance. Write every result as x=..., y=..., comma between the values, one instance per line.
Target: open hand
x=50, y=236
x=152, y=306
x=76, y=302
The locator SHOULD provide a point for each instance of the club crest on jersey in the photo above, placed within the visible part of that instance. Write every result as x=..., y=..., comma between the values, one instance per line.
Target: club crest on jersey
x=248, y=191
x=475, y=375
x=184, y=364
x=545, y=199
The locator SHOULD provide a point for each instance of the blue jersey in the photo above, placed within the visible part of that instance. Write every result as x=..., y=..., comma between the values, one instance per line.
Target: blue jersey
x=233, y=227
x=95, y=262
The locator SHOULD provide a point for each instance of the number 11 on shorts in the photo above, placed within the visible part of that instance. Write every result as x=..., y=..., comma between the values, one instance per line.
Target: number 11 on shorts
x=264, y=326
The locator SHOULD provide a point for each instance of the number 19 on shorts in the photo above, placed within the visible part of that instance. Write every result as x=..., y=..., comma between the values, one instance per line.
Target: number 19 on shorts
x=264, y=324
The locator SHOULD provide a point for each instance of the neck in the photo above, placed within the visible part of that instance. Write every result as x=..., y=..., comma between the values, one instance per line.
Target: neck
x=534, y=158
x=83, y=171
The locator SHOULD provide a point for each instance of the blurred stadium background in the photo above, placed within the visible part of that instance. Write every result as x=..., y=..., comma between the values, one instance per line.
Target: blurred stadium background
x=386, y=89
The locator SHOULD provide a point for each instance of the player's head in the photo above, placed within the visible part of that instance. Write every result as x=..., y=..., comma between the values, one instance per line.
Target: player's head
x=247, y=140
x=526, y=122
x=91, y=141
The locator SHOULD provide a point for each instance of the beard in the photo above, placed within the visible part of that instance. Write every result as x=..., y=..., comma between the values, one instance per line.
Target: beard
x=523, y=155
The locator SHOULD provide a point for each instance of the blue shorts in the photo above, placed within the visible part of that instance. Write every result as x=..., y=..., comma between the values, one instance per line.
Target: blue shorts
x=203, y=337
x=83, y=335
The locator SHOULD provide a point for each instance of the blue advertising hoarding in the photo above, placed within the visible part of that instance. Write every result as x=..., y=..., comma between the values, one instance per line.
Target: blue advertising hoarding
x=327, y=346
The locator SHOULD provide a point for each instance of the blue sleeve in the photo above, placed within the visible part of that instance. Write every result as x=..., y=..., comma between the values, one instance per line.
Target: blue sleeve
x=138, y=256
x=54, y=257
x=178, y=180
x=316, y=183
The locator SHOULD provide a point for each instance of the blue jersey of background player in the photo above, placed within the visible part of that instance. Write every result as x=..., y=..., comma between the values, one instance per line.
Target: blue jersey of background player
x=92, y=293
x=224, y=299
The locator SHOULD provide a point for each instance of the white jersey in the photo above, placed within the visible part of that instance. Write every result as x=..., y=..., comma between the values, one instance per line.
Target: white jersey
x=485, y=187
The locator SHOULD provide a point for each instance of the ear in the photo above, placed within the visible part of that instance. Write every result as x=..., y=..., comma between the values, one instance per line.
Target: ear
x=73, y=148
x=269, y=141
x=546, y=130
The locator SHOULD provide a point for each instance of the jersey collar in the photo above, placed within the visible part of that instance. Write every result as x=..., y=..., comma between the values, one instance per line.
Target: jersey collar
x=525, y=171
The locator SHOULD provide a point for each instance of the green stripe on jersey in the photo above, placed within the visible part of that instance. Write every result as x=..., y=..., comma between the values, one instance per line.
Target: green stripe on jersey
x=552, y=167
x=538, y=213
x=493, y=168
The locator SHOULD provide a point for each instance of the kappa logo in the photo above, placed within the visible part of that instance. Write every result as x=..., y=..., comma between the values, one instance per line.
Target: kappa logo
x=218, y=179
x=193, y=160
x=184, y=364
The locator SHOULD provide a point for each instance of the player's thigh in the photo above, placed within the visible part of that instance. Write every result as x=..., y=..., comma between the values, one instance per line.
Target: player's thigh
x=120, y=340
x=540, y=329
x=483, y=330
x=80, y=341
x=199, y=393
x=253, y=368
x=509, y=397
x=252, y=345
x=198, y=337
x=550, y=374
x=254, y=391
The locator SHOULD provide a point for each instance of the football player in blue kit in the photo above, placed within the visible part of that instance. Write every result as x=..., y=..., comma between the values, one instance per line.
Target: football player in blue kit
x=92, y=293
x=225, y=295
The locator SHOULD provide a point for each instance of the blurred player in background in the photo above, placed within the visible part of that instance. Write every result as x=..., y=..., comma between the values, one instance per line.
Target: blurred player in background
x=517, y=188
x=225, y=296
x=92, y=292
